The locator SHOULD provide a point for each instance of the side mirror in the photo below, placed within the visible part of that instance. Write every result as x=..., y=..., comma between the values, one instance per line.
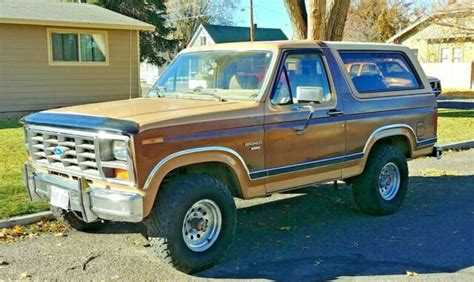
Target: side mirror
x=309, y=94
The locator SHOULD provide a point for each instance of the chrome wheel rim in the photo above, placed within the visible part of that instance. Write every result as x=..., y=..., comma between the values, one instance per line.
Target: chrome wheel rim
x=389, y=181
x=202, y=225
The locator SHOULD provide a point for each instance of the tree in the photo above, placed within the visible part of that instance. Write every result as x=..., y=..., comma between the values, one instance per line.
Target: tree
x=153, y=44
x=378, y=20
x=320, y=20
x=185, y=16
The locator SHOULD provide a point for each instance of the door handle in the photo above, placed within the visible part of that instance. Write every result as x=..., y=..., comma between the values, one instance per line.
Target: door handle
x=335, y=112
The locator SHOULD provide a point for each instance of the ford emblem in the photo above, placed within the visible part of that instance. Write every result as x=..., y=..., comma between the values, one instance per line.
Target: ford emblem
x=58, y=151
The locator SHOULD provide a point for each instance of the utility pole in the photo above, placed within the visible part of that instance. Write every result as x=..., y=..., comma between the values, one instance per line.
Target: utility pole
x=252, y=31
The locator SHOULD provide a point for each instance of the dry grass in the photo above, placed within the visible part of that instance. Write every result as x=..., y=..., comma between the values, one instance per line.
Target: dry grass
x=433, y=172
x=458, y=93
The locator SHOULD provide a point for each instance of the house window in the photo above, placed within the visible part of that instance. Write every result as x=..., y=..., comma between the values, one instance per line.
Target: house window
x=445, y=55
x=70, y=47
x=203, y=40
x=457, y=54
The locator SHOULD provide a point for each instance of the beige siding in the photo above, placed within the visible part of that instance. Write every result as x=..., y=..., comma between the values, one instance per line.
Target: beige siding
x=28, y=83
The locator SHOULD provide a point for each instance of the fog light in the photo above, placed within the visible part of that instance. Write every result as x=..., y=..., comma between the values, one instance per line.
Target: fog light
x=121, y=173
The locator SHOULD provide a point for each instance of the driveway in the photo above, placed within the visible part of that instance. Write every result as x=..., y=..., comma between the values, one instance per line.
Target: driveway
x=309, y=234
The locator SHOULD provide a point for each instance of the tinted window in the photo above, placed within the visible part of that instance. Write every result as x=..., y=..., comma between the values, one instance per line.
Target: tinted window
x=387, y=71
x=301, y=71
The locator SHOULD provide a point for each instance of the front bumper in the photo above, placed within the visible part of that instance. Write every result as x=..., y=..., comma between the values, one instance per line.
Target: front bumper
x=92, y=202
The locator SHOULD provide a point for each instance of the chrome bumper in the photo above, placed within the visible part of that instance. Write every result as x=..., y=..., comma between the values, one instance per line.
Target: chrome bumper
x=92, y=202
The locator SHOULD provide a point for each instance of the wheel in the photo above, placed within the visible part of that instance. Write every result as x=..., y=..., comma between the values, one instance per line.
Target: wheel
x=381, y=188
x=75, y=222
x=192, y=223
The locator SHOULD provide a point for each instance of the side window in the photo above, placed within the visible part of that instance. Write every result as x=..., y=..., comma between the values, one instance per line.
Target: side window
x=381, y=71
x=301, y=72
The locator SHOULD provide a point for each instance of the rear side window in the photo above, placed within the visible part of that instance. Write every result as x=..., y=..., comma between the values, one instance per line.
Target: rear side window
x=380, y=71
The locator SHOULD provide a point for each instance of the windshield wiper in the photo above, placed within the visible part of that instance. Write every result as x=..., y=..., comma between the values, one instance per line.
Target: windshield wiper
x=159, y=92
x=199, y=91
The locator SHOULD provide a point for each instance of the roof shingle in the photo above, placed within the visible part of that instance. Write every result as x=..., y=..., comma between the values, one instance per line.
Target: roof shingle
x=66, y=14
x=225, y=34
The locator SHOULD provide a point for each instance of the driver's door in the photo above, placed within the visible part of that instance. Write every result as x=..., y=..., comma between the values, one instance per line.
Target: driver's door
x=295, y=155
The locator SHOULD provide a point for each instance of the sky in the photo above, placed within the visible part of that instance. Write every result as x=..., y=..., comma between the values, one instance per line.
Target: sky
x=272, y=13
x=267, y=13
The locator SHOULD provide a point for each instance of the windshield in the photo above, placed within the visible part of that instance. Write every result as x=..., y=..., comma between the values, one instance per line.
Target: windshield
x=233, y=75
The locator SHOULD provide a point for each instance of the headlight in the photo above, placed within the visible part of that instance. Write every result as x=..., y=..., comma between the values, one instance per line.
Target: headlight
x=120, y=150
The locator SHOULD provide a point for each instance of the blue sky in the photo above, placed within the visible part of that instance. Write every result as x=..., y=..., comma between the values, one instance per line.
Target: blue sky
x=267, y=13
x=272, y=13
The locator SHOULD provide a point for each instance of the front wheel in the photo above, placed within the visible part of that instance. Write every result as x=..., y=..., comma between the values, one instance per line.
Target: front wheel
x=381, y=188
x=192, y=223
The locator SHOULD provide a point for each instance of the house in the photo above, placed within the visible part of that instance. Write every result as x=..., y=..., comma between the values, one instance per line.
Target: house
x=207, y=34
x=59, y=54
x=444, y=45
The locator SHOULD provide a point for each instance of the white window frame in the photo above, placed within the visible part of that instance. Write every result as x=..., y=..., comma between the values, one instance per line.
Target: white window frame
x=462, y=54
x=202, y=39
x=449, y=53
x=79, y=32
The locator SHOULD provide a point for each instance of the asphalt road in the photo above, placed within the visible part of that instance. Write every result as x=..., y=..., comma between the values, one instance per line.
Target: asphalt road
x=309, y=234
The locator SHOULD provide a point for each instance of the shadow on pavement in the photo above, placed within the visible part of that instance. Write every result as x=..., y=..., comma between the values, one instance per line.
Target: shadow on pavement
x=318, y=235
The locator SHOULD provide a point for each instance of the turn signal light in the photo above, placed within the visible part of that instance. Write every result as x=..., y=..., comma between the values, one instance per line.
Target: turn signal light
x=121, y=173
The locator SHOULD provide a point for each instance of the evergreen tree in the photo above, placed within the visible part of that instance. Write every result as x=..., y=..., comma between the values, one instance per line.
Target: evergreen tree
x=153, y=44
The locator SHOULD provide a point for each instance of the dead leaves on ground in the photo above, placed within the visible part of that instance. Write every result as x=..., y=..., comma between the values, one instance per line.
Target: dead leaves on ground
x=15, y=233
x=433, y=172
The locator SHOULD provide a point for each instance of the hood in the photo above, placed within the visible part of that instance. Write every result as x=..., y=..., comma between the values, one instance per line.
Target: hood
x=143, y=113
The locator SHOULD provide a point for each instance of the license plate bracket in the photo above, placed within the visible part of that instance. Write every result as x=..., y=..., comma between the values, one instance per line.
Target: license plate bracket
x=59, y=197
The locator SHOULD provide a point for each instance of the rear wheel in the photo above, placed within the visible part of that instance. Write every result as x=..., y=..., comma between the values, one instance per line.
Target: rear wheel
x=74, y=221
x=381, y=188
x=192, y=223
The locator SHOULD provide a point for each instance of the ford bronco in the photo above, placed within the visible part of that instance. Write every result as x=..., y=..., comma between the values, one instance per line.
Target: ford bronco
x=235, y=120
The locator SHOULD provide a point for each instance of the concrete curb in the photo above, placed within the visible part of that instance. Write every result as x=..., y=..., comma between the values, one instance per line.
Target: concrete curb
x=25, y=219
x=465, y=145
x=456, y=104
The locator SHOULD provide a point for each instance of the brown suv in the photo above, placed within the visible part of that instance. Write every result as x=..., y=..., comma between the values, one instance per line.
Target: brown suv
x=235, y=120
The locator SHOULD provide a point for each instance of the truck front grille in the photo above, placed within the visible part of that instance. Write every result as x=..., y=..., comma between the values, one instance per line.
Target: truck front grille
x=64, y=151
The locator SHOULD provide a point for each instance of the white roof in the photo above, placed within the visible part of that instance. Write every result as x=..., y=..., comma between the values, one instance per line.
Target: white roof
x=66, y=14
x=440, y=34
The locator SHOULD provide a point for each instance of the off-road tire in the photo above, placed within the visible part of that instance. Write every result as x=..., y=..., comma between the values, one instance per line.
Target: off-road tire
x=73, y=221
x=365, y=186
x=164, y=224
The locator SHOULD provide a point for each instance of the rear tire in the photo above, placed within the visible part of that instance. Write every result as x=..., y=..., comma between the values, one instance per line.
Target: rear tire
x=381, y=188
x=75, y=222
x=183, y=226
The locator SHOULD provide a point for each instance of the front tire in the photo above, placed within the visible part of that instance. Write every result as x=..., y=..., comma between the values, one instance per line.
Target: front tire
x=381, y=188
x=192, y=223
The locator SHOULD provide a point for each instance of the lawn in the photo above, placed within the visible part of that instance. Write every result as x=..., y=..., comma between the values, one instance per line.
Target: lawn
x=454, y=125
x=13, y=197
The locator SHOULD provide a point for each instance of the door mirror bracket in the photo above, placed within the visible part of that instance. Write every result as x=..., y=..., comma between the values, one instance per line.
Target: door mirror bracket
x=312, y=109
